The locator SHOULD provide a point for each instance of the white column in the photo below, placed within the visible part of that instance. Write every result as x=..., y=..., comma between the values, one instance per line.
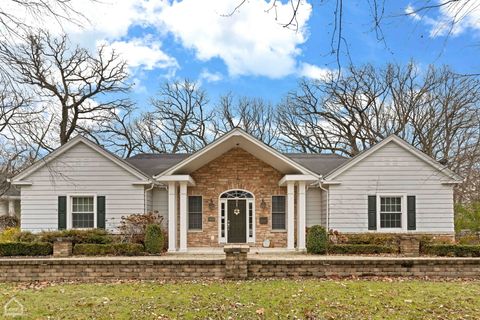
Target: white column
x=290, y=215
x=301, y=215
x=11, y=207
x=183, y=216
x=172, y=217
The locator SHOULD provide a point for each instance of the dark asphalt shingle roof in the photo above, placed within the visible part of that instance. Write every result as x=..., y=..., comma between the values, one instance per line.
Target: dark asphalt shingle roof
x=153, y=164
x=318, y=163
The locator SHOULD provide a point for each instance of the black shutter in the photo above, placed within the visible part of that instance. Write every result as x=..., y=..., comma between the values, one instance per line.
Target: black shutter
x=411, y=213
x=101, y=212
x=372, y=212
x=62, y=212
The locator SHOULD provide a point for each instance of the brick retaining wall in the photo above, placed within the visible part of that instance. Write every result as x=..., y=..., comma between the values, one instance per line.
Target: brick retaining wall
x=109, y=269
x=104, y=269
x=387, y=267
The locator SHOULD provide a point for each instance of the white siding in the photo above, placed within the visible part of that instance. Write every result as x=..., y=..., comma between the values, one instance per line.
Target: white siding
x=391, y=169
x=315, y=214
x=160, y=203
x=149, y=200
x=80, y=170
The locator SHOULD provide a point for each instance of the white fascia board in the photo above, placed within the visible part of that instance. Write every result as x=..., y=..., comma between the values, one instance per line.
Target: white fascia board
x=297, y=177
x=330, y=182
x=177, y=178
x=146, y=182
x=22, y=183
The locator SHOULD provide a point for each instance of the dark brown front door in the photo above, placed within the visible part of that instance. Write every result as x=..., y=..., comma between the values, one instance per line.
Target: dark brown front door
x=237, y=221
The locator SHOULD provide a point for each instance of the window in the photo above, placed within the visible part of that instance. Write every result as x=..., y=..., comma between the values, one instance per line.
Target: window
x=195, y=213
x=222, y=220
x=278, y=212
x=250, y=220
x=390, y=212
x=83, y=212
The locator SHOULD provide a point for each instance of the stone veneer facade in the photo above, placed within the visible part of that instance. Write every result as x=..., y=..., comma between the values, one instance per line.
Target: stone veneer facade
x=236, y=169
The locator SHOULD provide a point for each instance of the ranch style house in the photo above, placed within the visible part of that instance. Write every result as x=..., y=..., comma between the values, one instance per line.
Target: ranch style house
x=239, y=190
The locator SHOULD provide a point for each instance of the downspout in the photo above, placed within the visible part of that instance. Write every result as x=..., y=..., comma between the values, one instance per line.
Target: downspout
x=145, y=197
x=328, y=204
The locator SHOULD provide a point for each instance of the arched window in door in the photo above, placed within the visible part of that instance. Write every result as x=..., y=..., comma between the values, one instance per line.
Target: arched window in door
x=236, y=194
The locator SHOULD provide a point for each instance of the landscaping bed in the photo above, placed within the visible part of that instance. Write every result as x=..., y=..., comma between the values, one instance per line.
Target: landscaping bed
x=140, y=234
x=259, y=299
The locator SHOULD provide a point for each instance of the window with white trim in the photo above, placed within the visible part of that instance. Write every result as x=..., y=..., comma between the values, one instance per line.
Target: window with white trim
x=390, y=212
x=83, y=212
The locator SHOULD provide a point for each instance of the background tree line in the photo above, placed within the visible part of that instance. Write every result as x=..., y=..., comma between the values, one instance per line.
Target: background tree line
x=59, y=91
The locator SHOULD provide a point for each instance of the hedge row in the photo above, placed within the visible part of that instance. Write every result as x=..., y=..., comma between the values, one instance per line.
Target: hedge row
x=452, y=250
x=361, y=249
x=98, y=236
x=26, y=249
x=117, y=249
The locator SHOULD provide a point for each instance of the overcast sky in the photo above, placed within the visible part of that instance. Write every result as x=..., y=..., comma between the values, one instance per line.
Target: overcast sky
x=251, y=53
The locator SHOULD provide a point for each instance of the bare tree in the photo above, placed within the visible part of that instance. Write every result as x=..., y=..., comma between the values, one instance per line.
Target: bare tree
x=120, y=134
x=349, y=113
x=68, y=79
x=179, y=120
x=437, y=112
x=253, y=115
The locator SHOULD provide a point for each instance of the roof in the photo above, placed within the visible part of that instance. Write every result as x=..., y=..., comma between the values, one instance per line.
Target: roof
x=78, y=139
x=320, y=163
x=152, y=164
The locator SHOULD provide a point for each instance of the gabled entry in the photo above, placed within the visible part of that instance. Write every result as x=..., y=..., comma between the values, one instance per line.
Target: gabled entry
x=237, y=217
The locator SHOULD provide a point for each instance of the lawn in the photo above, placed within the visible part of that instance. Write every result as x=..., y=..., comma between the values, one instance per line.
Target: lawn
x=268, y=299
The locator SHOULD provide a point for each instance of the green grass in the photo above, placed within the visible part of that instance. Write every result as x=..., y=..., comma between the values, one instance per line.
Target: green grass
x=268, y=299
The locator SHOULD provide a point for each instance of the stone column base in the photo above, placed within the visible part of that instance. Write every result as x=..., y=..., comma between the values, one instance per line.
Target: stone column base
x=236, y=264
x=62, y=248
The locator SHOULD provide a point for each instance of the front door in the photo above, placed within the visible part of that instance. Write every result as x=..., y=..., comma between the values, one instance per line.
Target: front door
x=237, y=221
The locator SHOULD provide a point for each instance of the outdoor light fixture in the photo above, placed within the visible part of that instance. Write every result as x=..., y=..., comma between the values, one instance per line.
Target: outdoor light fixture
x=263, y=204
x=211, y=205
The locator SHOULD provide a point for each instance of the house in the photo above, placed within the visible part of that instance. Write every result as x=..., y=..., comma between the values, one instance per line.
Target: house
x=239, y=190
x=10, y=202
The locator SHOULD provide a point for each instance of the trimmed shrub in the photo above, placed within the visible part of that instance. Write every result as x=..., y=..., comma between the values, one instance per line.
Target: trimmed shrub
x=25, y=236
x=452, y=250
x=9, y=222
x=9, y=234
x=361, y=249
x=470, y=238
x=154, y=239
x=26, y=249
x=372, y=238
x=97, y=236
x=317, y=240
x=118, y=249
